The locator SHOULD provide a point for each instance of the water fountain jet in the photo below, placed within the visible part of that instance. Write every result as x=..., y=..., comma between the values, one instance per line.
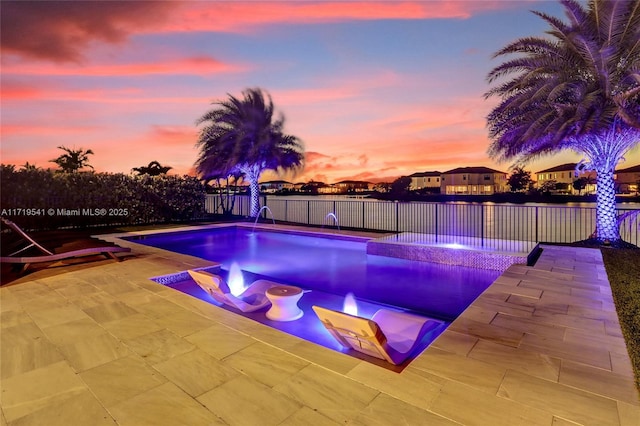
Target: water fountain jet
x=236, y=280
x=258, y=217
x=335, y=219
x=350, y=306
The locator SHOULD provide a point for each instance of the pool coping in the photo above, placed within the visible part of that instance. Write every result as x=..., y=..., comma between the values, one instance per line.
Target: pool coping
x=541, y=345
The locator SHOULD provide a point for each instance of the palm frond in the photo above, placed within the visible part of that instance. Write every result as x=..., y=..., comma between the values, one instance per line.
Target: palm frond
x=580, y=82
x=245, y=134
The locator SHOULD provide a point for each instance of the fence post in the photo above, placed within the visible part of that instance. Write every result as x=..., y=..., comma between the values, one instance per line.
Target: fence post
x=436, y=229
x=537, y=240
x=308, y=212
x=397, y=216
x=363, y=215
x=482, y=206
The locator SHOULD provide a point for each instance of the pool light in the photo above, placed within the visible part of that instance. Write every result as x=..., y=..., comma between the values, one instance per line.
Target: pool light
x=454, y=246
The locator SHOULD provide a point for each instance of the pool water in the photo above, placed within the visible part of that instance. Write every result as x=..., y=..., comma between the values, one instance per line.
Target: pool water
x=334, y=266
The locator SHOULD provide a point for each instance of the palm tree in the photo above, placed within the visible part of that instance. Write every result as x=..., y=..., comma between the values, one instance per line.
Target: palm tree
x=243, y=135
x=153, y=169
x=578, y=89
x=29, y=167
x=73, y=160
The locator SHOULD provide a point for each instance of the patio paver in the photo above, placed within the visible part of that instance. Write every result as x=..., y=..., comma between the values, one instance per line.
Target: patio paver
x=541, y=346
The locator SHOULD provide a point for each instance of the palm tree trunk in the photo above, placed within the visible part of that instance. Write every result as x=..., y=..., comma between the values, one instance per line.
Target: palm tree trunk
x=254, y=190
x=606, y=223
x=251, y=174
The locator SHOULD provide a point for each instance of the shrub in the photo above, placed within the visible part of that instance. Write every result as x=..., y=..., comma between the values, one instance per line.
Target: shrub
x=42, y=199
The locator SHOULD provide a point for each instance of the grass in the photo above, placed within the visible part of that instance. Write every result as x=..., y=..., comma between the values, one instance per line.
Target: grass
x=623, y=271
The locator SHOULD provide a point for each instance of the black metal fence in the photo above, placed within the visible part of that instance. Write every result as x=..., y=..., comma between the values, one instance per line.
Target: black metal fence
x=552, y=224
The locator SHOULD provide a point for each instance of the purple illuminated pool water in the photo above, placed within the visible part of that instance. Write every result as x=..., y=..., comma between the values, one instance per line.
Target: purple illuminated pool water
x=335, y=266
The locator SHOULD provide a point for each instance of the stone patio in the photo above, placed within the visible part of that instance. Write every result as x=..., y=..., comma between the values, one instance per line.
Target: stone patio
x=99, y=343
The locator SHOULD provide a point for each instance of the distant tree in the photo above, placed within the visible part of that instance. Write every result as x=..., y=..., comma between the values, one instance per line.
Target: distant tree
x=8, y=168
x=519, y=180
x=382, y=187
x=312, y=187
x=548, y=186
x=562, y=187
x=580, y=184
x=27, y=166
x=153, y=169
x=227, y=187
x=73, y=160
x=400, y=186
x=577, y=88
x=244, y=135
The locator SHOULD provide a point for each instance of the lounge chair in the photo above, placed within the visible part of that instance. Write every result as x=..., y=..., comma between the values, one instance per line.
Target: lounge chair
x=252, y=299
x=76, y=249
x=388, y=335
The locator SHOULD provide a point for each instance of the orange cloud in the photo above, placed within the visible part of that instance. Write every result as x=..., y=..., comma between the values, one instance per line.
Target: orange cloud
x=173, y=135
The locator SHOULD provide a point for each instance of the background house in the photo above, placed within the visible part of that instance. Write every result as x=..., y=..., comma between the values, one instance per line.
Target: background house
x=425, y=180
x=473, y=181
x=628, y=180
x=275, y=186
x=345, y=186
x=564, y=175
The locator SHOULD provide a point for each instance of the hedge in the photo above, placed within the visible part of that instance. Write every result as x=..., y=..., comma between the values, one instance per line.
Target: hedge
x=43, y=199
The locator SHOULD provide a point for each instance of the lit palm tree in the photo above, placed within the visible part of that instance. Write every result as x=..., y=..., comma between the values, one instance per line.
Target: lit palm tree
x=73, y=160
x=578, y=89
x=242, y=135
x=153, y=169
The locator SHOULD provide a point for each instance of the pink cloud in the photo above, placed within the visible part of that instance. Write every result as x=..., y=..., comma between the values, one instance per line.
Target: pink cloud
x=201, y=65
x=241, y=17
x=50, y=131
x=62, y=31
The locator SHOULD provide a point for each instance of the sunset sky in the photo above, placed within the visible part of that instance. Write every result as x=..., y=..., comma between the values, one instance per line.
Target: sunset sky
x=375, y=90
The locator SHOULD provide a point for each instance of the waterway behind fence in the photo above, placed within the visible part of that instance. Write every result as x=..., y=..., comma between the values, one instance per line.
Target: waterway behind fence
x=549, y=223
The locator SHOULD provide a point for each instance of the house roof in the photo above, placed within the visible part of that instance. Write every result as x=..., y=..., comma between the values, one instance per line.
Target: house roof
x=425, y=174
x=632, y=169
x=560, y=168
x=353, y=182
x=276, y=182
x=476, y=170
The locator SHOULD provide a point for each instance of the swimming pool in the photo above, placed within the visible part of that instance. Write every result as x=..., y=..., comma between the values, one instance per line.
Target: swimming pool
x=333, y=264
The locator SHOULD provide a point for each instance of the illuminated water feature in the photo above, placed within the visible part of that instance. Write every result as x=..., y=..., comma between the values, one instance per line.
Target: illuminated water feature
x=331, y=268
x=334, y=217
x=236, y=280
x=350, y=306
x=258, y=216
